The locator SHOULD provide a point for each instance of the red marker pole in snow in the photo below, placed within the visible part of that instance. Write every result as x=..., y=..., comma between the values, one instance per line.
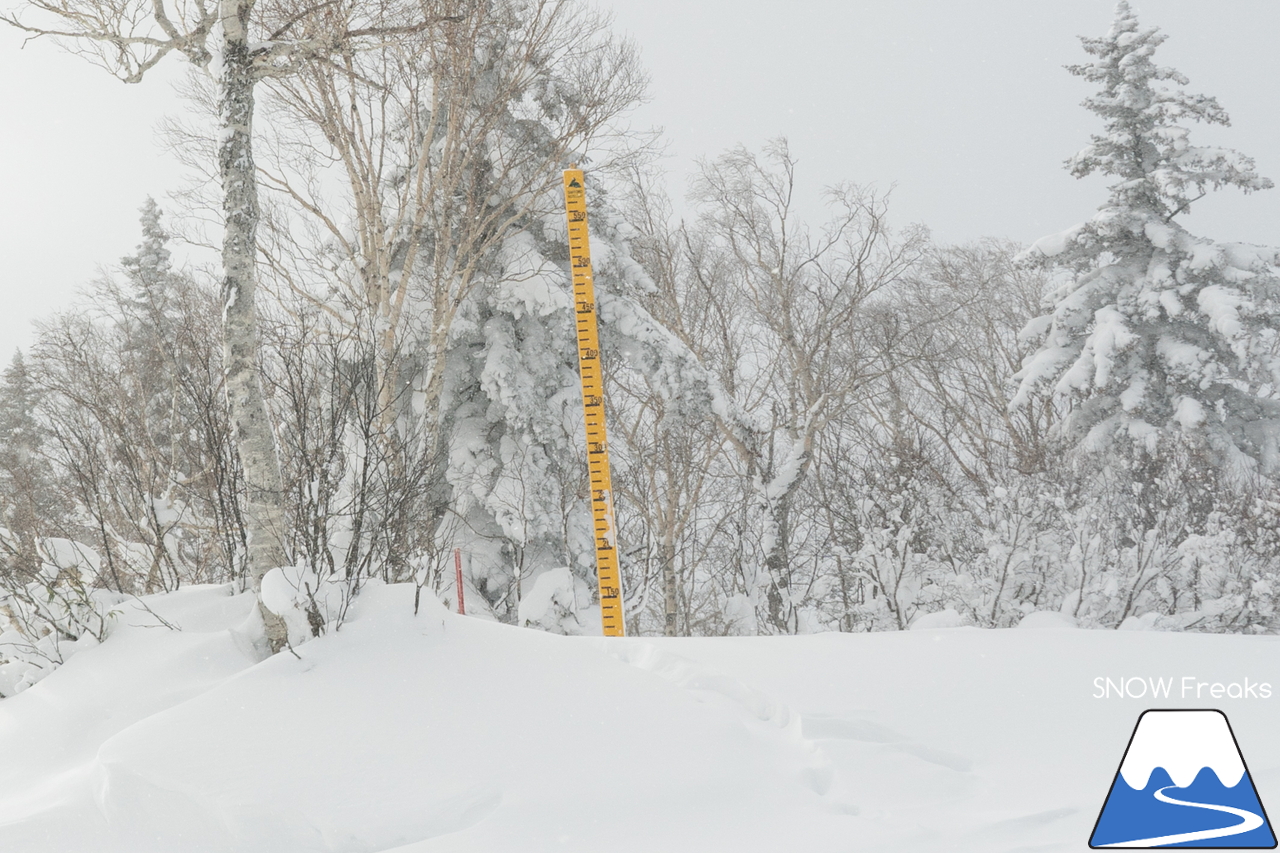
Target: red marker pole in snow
x=457, y=569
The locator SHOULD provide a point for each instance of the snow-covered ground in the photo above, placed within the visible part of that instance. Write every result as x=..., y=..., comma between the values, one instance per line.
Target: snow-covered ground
x=439, y=732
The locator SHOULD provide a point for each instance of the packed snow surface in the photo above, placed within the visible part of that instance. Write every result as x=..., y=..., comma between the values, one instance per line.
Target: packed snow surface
x=437, y=732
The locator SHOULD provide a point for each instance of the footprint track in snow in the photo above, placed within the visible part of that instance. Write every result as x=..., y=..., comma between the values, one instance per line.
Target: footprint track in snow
x=825, y=727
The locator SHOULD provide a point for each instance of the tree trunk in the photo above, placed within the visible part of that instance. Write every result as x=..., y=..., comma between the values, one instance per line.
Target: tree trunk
x=264, y=490
x=669, y=585
x=777, y=563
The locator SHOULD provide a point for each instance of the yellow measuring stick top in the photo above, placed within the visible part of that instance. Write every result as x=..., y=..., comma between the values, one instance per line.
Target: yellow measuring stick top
x=608, y=575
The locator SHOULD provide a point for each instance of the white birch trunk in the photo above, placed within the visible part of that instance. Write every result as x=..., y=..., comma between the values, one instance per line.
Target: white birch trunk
x=264, y=489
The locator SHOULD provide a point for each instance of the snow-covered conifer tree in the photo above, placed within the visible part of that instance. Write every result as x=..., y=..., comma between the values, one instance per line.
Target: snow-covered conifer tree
x=29, y=503
x=1160, y=338
x=452, y=260
x=149, y=303
x=517, y=463
x=148, y=270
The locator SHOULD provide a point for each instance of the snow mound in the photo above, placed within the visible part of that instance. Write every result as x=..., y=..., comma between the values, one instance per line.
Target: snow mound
x=422, y=732
x=558, y=603
x=948, y=618
x=428, y=732
x=1047, y=620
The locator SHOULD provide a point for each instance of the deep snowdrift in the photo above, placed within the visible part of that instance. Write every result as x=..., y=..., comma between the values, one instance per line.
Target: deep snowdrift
x=439, y=732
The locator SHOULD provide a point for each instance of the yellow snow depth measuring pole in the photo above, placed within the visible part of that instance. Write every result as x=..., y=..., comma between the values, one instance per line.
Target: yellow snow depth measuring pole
x=608, y=576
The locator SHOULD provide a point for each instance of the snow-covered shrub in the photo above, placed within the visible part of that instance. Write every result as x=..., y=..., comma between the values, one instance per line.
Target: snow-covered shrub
x=559, y=602
x=48, y=617
x=132, y=420
x=310, y=603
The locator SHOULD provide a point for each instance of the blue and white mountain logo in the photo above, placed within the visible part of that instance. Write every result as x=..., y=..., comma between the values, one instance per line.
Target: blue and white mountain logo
x=1183, y=783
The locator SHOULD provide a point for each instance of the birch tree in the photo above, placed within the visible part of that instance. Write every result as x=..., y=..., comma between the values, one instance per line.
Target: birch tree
x=801, y=299
x=444, y=139
x=443, y=147
x=240, y=42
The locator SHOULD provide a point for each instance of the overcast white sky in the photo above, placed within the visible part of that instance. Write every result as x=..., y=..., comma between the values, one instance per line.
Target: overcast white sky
x=964, y=106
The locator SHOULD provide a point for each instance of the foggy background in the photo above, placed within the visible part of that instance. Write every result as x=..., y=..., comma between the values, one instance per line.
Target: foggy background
x=964, y=108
